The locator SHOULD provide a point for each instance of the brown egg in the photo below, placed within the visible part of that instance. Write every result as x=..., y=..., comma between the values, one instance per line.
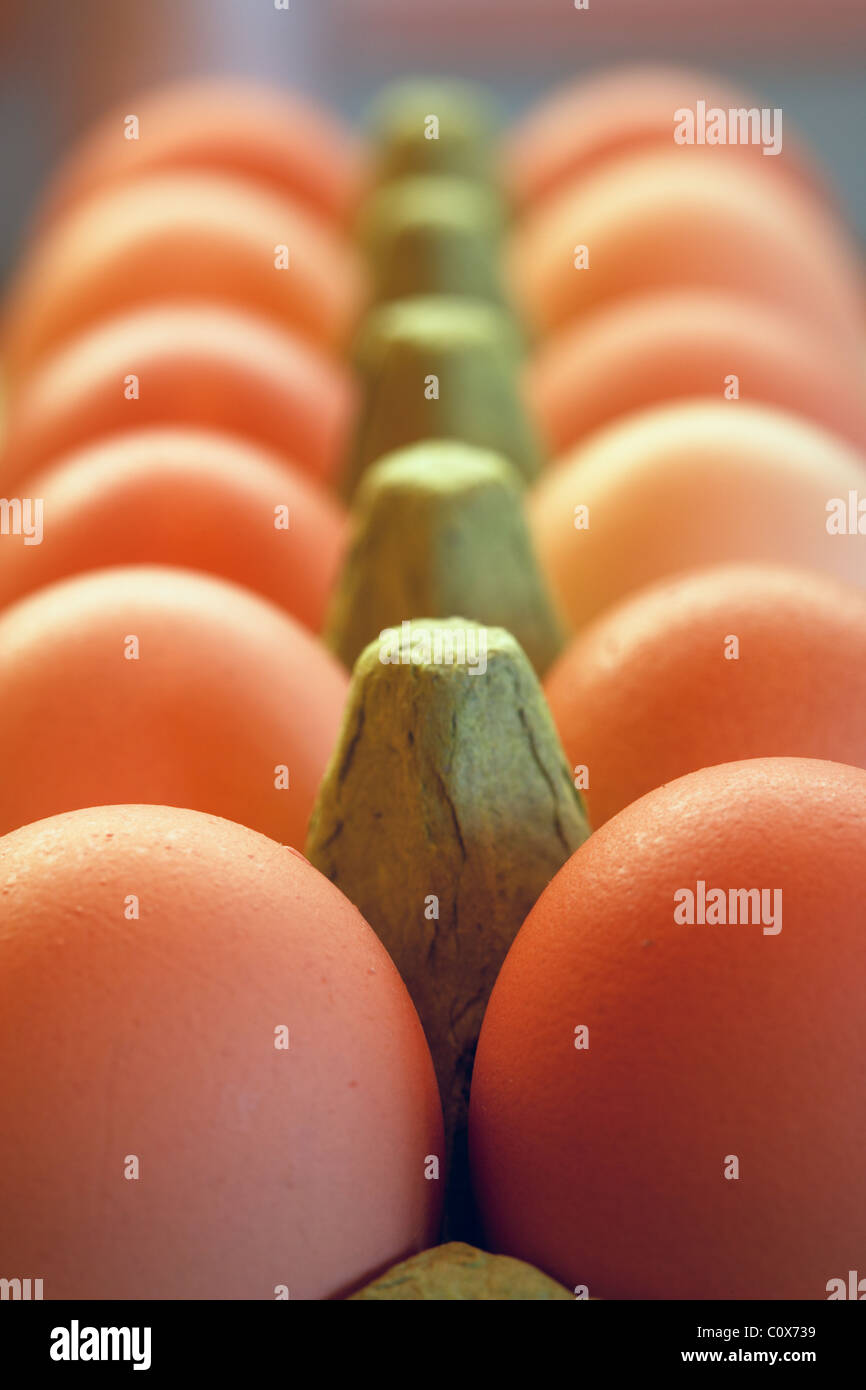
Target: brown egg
x=623, y=111
x=674, y=344
x=182, y=497
x=667, y=1100
x=171, y=365
x=715, y=666
x=278, y=140
x=655, y=221
x=162, y=686
x=693, y=484
x=215, y=1084
x=190, y=237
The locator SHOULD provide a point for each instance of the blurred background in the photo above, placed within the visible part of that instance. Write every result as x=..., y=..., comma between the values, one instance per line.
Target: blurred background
x=63, y=63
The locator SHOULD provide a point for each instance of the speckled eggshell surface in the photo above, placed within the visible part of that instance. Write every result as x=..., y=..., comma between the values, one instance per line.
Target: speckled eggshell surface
x=155, y=1140
x=606, y=1159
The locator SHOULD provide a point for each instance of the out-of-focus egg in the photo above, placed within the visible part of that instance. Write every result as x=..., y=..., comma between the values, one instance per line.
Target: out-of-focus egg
x=743, y=661
x=188, y=237
x=188, y=498
x=656, y=221
x=679, y=343
x=274, y=138
x=621, y=112
x=693, y=484
x=171, y=365
x=667, y=1102
x=215, y=1084
x=168, y=687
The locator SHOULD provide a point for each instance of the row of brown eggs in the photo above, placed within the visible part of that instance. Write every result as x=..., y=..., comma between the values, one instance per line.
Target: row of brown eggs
x=215, y=1084
x=665, y=1064
x=177, y=399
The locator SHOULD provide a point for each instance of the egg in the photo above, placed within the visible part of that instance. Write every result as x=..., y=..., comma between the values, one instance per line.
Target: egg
x=667, y=1100
x=673, y=344
x=158, y=685
x=276, y=139
x=215, y=1084
x=656, y=221
x=693, y=484
x=169, y=365
x=193, y=237
x=623, y=111
x=726, y=663
x=189, y=498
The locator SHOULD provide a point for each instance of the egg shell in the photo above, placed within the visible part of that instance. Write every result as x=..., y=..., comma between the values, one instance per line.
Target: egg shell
x=656, y=220
x=188, y=236
x=148, y=1030
x=276, y=139
x=605, y=1165
x=623, y=111
x=225, y=691
x=692, y=484
x=186, y=498
x=727, y=663
x=674, y=344
x=199, y=366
